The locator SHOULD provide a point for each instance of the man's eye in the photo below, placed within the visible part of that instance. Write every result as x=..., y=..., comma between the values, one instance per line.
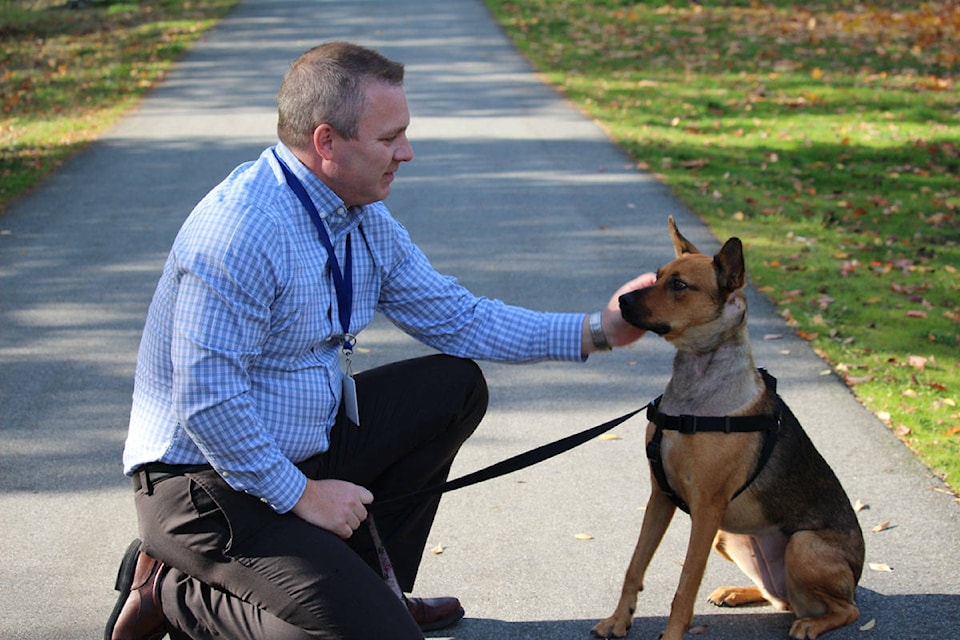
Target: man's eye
x=390, y=139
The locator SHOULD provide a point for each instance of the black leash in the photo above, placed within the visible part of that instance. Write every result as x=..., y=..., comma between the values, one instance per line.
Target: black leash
x=517, y=462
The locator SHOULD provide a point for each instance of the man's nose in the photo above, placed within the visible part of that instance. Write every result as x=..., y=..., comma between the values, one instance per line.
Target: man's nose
x=404, y=151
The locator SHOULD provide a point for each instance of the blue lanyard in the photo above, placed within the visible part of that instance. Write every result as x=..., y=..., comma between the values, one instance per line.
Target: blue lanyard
x=342, y=281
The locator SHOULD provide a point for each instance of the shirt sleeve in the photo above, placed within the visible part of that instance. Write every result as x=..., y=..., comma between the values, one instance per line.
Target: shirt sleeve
x=228, y=275
x=443, y=314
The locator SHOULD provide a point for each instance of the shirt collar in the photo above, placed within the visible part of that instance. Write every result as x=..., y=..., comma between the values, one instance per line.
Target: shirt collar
x=329, y=205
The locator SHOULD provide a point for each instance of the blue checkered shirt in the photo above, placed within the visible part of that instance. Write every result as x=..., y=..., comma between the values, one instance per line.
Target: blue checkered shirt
x=239, y=363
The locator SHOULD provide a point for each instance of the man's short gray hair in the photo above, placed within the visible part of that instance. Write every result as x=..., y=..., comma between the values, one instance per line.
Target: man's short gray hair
x=326, y=84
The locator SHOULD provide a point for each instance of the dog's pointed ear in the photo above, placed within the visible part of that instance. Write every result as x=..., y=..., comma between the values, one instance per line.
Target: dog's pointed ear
x=680, y=244
x=729, y=266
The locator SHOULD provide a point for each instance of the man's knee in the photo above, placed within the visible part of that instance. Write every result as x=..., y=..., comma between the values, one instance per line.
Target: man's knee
x=467, y=376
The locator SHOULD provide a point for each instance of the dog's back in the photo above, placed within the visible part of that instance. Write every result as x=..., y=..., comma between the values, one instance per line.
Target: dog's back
x=799, y=491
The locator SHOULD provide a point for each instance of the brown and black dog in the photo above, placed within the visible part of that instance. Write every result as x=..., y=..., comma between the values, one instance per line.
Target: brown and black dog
x=754, y=485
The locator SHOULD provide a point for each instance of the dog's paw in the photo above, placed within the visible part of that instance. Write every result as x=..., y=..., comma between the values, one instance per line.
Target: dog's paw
x=735, y=596
x=810, y=628
x=611, y=627
x=719, y=597
x=804, y=629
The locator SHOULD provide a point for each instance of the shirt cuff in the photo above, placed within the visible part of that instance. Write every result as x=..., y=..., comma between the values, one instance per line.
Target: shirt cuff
x=281, y=488
x=565, y=335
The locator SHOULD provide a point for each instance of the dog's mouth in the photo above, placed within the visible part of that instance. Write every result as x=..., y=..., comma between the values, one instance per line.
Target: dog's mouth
x=636, y=315
x=657, y=327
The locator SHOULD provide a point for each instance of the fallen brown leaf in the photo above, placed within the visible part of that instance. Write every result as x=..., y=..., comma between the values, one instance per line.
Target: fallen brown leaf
x=883, y=526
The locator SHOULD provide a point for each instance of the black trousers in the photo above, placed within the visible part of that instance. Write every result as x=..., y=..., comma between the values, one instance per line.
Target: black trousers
x=238, y=570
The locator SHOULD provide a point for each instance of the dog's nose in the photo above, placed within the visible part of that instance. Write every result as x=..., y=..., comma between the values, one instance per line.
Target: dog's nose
x=629, y=298
x=629, y=306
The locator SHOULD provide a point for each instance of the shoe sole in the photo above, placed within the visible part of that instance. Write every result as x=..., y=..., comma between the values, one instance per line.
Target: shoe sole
x=124, y=583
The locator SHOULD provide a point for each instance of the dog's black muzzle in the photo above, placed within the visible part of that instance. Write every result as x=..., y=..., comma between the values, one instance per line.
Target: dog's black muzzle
x=634, y=311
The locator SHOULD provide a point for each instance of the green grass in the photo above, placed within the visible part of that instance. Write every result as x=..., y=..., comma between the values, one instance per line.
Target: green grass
x=826, y=135
x=68, y=73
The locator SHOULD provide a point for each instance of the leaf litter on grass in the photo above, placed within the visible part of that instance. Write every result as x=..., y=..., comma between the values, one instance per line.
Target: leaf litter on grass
x=827, y=137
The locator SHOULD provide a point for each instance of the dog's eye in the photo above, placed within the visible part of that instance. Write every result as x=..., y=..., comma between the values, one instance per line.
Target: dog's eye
x=678, y=285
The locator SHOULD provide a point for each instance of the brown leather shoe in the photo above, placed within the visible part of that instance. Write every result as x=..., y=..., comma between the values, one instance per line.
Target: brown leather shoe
x=137, y=614
x=434, y=613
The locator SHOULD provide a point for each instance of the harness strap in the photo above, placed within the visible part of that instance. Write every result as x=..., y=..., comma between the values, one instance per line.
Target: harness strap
x=688, y=425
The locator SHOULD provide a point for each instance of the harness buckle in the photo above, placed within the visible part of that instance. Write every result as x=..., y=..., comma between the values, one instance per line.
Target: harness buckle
x=653, y=450
x=687, y=424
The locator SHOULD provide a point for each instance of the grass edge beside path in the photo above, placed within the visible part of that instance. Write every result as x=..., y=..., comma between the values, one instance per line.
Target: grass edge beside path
x=67, y=74
x=827, y=137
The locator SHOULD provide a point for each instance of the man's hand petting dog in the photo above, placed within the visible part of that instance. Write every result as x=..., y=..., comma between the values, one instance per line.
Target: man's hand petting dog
x=619, y=332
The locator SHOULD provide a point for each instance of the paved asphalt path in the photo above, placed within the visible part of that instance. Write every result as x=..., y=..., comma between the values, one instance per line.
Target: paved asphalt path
x=522, y=198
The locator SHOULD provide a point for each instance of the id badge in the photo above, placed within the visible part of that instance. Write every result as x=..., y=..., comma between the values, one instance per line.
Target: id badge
x=350, y=398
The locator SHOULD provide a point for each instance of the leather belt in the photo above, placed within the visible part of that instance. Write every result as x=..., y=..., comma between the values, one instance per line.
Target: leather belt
x=150, y=474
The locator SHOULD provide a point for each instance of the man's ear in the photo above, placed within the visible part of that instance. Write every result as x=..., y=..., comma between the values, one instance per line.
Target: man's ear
x=323, y=141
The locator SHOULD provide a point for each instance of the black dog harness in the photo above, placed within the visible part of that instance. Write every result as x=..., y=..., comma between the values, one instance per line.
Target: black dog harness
x=687, y=425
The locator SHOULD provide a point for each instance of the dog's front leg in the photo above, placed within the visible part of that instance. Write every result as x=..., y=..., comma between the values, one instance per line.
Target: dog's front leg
x=656, y=519
x=705, y=519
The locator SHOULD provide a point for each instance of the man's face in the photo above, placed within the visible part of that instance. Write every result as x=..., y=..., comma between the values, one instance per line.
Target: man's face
x=361, y=170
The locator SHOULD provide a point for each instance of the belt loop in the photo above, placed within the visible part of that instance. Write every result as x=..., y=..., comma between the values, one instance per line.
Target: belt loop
x=145, y=481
